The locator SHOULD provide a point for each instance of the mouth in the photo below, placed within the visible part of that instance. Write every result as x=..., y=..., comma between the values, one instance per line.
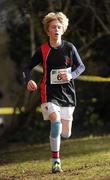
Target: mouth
x=56, y=34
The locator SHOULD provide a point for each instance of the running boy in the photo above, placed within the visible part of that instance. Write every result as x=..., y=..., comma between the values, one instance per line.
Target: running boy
x=61, y=65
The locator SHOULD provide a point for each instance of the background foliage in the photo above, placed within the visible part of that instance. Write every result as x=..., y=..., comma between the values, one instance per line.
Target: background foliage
x=21, y=31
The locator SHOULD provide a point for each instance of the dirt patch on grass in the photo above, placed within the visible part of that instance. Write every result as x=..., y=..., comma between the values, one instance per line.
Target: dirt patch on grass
x=8, y=178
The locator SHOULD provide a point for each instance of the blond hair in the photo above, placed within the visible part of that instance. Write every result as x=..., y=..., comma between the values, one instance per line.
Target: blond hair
x=55, y=16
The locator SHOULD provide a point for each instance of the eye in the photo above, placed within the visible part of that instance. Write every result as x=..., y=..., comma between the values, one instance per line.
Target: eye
x=53, y=27
x=59, y=27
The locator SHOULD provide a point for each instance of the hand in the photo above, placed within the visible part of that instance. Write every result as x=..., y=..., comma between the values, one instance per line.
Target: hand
x=31, y=86
x=65, y=77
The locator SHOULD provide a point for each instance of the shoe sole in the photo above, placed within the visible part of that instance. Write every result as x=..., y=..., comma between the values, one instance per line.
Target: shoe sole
x=59, y=171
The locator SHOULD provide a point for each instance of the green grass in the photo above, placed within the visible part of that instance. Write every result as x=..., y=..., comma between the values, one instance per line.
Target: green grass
x=82, y=159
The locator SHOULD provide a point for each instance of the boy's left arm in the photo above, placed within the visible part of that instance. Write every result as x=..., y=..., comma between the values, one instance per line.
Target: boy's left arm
x=77, y=63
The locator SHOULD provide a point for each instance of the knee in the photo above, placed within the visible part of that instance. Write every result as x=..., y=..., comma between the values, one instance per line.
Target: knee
x=66, y=135
x=53, y=116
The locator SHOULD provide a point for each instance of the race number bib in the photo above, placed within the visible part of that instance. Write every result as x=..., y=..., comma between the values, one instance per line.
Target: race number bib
x=55, y=75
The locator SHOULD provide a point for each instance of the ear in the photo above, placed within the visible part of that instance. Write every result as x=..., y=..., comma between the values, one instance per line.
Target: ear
x=62, y=32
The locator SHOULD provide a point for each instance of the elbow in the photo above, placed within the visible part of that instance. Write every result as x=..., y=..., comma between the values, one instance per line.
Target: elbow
x=83, y=68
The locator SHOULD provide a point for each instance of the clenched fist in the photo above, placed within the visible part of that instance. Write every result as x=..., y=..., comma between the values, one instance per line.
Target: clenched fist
x=31, y=85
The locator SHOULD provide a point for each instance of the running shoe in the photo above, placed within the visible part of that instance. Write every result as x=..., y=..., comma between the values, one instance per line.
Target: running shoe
x=56, y=167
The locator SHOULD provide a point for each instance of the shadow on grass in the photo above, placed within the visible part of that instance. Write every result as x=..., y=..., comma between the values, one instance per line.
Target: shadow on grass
x=78, y=147
x=23, y=152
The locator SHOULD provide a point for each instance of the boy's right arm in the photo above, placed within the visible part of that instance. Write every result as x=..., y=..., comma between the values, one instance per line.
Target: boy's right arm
x=29, y=83
x=35, y=60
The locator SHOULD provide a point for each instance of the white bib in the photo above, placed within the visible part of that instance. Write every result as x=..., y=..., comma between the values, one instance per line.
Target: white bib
x=55, y=75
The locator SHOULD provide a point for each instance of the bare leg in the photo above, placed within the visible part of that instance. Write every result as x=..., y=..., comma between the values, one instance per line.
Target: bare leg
x=66, y=128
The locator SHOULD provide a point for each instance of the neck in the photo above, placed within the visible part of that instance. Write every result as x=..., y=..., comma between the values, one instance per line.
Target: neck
x=55, y=43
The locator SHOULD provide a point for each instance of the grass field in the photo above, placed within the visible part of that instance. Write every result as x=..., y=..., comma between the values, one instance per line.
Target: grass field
x=82, y=159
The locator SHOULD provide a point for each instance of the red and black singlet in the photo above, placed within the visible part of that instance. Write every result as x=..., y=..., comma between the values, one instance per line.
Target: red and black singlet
x=64, y=56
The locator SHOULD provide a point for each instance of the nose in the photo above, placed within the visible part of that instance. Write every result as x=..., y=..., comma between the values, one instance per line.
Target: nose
x=56, y=28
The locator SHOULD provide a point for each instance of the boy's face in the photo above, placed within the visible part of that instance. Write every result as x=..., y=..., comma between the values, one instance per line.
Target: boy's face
x=55, y=30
